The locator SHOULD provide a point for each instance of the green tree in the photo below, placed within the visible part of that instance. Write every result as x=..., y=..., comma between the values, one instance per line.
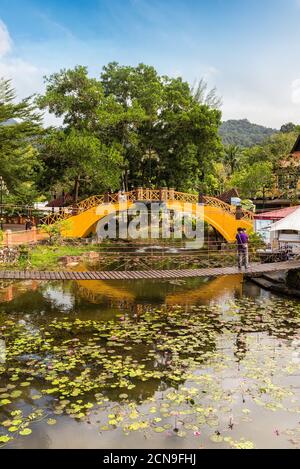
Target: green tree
x=161, y=116
x=289, y=127
x=79, y=154
x=73, y=96
x=254, y=181
x=150, y=157
x=274, y=149
x=203, y=95
x=79, y=158
x=136, y=113
x=232, y=157
x=20, y=126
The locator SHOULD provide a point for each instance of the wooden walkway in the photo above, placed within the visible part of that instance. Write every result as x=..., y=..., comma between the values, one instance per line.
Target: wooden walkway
x=254, y=269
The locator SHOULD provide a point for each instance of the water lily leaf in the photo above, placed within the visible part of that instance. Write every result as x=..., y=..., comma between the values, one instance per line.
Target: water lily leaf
x=15, y=394
x=216, y=438
x=159, y=429
x=51, y=421
x=16, y=422
x=5, y=402
x=25, y=432
x=13, y=429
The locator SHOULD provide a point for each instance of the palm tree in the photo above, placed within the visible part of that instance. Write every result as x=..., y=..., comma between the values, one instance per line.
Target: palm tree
x=203, y=95
x=232, y=157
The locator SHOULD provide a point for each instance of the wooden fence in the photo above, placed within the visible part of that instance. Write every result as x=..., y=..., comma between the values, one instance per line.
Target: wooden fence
x=15, y=238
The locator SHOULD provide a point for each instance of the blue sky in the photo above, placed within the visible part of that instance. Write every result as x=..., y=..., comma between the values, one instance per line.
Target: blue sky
x=249, y=49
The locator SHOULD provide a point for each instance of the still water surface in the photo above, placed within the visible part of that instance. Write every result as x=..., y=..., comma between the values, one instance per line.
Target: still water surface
x=202, y=363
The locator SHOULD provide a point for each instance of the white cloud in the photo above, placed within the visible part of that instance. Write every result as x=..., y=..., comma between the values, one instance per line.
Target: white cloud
x=26, y=77
x=5, y=40
x=295, y=96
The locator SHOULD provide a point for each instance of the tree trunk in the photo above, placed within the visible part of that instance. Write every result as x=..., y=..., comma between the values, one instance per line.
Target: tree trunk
x=126, y=181
x=76, y=189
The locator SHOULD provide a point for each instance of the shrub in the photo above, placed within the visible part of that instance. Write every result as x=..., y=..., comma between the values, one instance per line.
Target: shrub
x=55, y=231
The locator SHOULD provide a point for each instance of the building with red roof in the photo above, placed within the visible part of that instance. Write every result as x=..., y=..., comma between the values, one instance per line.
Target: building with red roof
x=275, y=215
x=264, y=221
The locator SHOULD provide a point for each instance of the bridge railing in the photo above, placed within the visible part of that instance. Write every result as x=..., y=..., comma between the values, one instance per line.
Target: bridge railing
x=145, y=195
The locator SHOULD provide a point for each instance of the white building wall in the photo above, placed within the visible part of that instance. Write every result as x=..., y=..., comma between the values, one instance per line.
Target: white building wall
x=262, y=228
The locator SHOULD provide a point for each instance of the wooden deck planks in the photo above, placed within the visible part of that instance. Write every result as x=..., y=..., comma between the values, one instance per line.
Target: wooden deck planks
x=145, y=274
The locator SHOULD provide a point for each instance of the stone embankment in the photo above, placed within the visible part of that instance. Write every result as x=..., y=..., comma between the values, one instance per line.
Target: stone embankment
x=285, y=283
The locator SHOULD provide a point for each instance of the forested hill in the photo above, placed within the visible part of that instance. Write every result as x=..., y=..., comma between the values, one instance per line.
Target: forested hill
x=244, y=133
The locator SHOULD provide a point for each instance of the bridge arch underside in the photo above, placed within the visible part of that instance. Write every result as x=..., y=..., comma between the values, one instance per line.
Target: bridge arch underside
x=82, y=225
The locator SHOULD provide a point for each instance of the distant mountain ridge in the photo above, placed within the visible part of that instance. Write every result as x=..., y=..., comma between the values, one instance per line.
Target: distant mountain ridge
x=9, y=122
x=243, y=133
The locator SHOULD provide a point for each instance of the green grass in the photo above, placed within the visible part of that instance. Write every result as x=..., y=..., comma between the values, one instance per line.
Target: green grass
x=46, y=257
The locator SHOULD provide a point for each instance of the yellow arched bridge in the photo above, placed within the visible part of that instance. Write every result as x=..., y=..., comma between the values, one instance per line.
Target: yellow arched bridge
x=83, y=217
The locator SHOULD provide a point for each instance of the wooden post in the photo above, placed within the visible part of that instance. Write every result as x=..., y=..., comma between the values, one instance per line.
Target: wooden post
x=7, y=238
x=106, y=198
x=163, y=194
x=239, y=213
x=34, y=234
x=139, y=193
x=171, y=193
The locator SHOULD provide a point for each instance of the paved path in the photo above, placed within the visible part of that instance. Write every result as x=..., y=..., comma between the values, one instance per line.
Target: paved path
x=254, y=269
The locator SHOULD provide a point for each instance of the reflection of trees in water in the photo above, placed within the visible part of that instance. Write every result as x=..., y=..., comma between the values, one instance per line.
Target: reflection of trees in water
x=240, y=348
x=10, y=290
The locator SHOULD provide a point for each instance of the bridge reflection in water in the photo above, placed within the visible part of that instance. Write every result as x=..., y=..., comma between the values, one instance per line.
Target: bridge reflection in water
x=174, y=293
x=135, y=297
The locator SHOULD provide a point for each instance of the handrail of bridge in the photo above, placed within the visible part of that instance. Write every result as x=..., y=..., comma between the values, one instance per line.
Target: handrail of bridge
x=16, y=206
x=140, y=194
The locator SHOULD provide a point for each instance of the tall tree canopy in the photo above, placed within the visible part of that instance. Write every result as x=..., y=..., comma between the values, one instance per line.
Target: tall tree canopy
x=162, y=117
x=152, y=127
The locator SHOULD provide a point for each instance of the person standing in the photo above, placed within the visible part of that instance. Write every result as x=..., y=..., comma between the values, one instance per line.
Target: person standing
x=28, y=224
x=242, y=247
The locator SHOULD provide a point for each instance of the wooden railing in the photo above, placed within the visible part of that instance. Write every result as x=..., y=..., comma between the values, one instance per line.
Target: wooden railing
x=145, y=195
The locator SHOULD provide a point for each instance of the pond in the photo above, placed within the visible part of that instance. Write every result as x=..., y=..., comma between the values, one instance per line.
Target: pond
x=202, y=363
